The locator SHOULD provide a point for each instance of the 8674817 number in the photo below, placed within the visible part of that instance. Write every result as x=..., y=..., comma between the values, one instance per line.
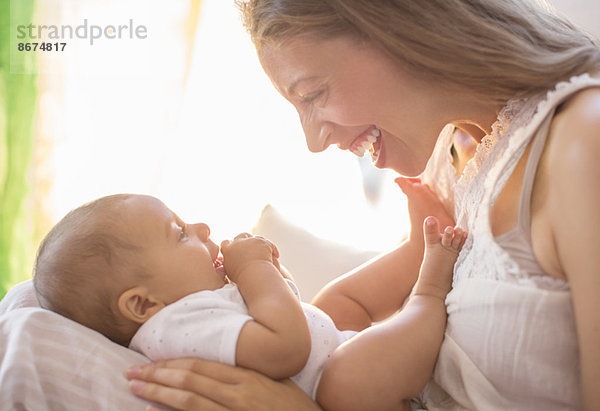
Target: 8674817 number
x=41, y=46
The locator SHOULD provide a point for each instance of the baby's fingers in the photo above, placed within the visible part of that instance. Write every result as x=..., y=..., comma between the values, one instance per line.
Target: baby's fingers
x=225, y=244
x=242, y=235
x=271, y=244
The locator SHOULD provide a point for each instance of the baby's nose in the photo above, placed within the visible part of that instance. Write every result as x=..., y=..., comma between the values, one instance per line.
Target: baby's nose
x=202, y=231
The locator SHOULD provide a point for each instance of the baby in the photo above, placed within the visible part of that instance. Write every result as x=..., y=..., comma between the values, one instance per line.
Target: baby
x=128, y=267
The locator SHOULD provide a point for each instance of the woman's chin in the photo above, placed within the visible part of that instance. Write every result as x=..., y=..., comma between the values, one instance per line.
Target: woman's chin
x=406, y=167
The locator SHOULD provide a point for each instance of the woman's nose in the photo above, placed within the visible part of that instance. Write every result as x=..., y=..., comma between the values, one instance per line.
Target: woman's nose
x=317, y=135
x=202, y=231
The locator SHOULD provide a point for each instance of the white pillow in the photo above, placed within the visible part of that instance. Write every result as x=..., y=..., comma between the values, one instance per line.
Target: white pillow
x=312, y=261
x=48, y=362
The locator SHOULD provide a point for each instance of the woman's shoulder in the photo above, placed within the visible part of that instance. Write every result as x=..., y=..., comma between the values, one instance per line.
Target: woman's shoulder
x=575, y=134
x=581, y=109
x=566, y=186
x=570, y=166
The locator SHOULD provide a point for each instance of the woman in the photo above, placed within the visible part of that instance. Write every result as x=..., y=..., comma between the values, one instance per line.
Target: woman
x=521, y=84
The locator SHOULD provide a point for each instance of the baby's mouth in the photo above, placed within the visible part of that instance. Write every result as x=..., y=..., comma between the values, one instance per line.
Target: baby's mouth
x=219, y=267
x=369, y=141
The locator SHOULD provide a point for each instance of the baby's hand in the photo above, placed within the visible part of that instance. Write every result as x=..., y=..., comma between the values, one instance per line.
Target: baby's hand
x=244, y=251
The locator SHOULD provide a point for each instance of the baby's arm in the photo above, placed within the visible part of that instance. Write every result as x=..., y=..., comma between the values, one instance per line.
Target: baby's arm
x=277, y=341
x=387, y=364
x=377, y=289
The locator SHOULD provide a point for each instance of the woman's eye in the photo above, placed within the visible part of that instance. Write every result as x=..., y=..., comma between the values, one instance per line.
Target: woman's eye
x=309, y=98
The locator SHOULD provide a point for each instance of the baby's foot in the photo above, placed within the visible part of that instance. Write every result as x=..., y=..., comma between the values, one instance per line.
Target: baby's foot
x=441, y=251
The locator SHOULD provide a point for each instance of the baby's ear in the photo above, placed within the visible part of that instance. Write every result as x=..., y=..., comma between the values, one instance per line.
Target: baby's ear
x=138, y=305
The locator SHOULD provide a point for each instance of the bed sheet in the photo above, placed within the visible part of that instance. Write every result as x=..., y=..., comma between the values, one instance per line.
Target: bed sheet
x=48, y=362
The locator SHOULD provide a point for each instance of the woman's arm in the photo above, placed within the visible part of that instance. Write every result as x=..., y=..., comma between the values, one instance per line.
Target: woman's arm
x=573, y=209
x=195, y=384
x=378, y=288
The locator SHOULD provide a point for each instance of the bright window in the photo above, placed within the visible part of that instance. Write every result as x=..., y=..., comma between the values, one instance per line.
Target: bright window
x=216, y=148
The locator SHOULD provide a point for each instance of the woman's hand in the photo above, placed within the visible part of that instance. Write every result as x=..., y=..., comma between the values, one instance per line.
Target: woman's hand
x=195, y=384
x=422, y=203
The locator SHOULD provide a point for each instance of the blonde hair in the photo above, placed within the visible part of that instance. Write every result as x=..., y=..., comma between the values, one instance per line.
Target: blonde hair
x=498, y=49
x=83, y=265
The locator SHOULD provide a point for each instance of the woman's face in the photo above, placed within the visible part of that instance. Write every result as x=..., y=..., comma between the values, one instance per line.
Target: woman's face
x=343, y=90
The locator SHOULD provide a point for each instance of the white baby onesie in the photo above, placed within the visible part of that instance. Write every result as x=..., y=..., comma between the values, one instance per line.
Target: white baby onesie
x=207, y=325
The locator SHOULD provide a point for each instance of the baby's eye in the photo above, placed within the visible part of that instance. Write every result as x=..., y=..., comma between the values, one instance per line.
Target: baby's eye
x=182, y=233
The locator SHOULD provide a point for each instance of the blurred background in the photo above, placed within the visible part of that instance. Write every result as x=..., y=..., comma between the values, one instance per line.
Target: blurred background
x=185, y=114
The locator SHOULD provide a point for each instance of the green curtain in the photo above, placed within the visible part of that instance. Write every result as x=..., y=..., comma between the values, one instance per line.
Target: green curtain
x=18, y=96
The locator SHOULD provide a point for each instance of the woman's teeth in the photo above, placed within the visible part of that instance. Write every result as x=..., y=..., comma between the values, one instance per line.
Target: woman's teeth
x=367, y=144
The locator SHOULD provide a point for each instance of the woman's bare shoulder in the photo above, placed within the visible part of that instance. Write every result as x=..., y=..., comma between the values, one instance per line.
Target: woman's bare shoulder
x=570, y=172
x=575, y=135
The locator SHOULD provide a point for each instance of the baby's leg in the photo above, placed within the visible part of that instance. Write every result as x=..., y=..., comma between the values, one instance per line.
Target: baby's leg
x=387, y=364
x=441, y=251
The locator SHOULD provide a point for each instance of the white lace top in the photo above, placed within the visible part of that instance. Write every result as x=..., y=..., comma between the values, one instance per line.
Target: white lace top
x=511, y=341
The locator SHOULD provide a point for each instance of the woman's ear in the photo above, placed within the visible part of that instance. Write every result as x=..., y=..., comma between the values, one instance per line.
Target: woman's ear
x=138, y=305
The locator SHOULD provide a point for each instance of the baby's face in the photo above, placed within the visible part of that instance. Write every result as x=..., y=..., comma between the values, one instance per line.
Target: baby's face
x=180, y=258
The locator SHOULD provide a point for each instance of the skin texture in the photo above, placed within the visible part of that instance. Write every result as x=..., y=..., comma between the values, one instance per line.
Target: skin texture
x=347, y=88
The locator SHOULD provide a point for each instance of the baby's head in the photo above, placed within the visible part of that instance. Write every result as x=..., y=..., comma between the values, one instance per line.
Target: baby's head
x=113, y=263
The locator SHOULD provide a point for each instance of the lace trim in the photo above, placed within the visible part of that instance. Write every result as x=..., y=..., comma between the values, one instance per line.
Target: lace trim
x=486, y=174
x=469, y=188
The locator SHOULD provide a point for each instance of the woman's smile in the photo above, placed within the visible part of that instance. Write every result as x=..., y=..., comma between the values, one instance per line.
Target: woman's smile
x=366, y=143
